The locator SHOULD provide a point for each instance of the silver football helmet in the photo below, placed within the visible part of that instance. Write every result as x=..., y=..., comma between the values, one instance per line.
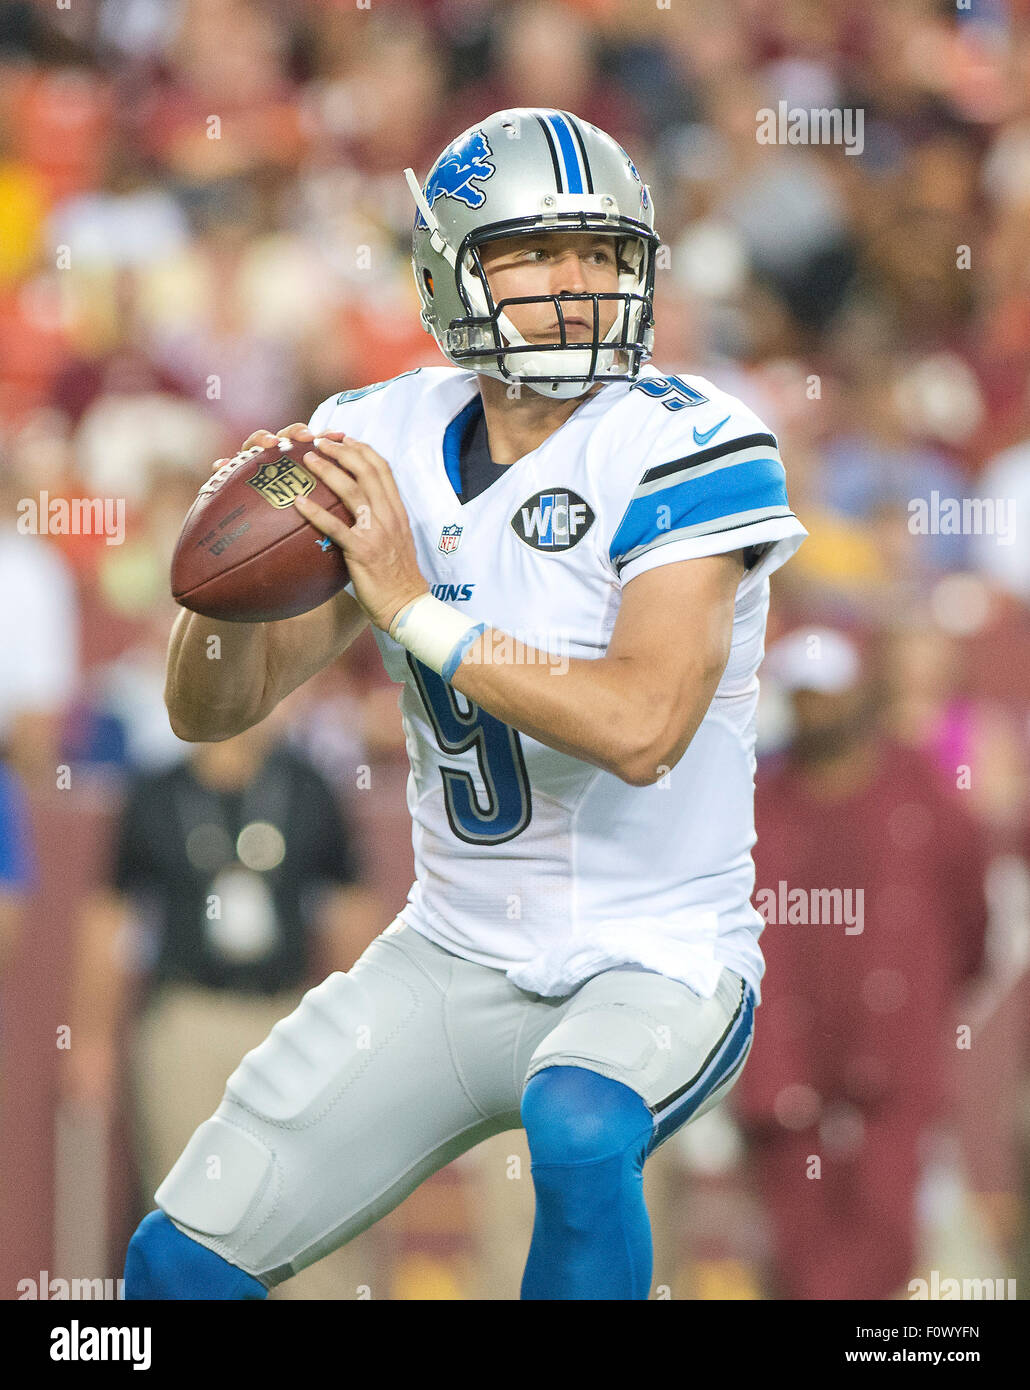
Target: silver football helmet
x=519, y=171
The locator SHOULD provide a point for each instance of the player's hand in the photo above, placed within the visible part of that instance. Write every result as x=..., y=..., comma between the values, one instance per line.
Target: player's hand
x=265, y=439
x=379, y=547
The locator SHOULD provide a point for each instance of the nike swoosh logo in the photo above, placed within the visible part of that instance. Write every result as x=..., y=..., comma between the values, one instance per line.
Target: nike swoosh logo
x=700, y=438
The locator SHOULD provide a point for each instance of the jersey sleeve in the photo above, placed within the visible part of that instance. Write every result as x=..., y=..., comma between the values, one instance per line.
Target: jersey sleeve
x=346, y=410
x=691, y=501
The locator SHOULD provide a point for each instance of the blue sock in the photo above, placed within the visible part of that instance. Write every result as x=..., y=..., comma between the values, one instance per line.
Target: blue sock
x=163, y=1263
x=588, y=1138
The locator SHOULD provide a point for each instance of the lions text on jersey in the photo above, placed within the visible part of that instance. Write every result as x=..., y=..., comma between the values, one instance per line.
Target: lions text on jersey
x=526, y=859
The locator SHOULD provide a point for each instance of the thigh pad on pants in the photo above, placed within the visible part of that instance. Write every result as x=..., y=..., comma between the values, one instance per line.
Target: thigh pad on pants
x=303, y=1068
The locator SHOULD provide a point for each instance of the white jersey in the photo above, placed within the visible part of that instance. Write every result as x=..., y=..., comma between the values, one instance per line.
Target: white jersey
x=527, y=859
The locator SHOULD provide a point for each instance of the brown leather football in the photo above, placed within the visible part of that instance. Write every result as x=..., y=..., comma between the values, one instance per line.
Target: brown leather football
x=246, y=555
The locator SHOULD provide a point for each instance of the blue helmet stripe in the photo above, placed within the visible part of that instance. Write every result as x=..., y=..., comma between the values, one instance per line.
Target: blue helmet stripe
x=582, y=150
x=573, y=177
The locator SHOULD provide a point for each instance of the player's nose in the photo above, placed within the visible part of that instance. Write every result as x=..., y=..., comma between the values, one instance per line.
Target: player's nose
x=569, y=277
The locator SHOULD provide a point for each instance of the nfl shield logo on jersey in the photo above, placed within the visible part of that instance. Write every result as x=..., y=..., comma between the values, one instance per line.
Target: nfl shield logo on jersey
x=449, y=538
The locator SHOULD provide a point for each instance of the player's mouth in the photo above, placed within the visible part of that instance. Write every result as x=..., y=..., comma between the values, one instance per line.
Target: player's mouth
x=571, y=324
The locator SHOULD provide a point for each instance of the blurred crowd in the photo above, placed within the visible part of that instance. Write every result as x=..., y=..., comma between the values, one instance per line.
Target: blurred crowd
x=205, y=229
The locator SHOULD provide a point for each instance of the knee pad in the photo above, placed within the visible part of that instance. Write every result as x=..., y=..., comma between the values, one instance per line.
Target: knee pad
x=218, y=1178
x=573, y=1116
x=164, y=1263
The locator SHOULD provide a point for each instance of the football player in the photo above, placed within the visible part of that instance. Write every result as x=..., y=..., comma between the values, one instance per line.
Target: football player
x=564, y=554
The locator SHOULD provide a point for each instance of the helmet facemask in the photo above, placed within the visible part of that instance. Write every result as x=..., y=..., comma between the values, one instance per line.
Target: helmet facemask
x=488, y=341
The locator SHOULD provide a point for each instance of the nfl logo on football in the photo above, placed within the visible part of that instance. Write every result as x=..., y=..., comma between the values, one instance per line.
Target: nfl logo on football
x=449, y=539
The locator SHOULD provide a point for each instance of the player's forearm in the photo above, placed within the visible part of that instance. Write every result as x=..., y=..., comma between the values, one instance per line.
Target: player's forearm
x=216, y=677
x=602, y=711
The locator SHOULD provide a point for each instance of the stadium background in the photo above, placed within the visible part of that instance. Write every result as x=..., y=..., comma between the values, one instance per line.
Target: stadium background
x=204, y=229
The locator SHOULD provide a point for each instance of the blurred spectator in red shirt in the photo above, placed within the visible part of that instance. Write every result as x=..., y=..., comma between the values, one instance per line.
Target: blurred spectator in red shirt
x=856, y=1035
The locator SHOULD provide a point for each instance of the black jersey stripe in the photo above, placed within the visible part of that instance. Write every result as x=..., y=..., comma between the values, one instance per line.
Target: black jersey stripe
x=722, y=531
x=554, y=153
x=717, y=451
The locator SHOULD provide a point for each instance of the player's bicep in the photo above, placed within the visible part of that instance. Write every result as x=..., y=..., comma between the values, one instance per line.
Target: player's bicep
x=672, y=610
x=675, y=629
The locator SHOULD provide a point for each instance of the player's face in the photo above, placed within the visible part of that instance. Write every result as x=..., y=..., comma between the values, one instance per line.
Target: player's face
x=826, y=725
x=554, y=263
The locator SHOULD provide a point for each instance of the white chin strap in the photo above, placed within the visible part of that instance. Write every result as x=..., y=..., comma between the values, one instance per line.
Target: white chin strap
x=556, y=366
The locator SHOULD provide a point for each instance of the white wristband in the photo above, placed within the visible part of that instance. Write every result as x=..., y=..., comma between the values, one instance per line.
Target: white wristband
x=435, y=633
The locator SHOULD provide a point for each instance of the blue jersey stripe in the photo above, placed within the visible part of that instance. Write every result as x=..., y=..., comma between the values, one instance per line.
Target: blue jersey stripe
x=573, y=177
x=740, y=487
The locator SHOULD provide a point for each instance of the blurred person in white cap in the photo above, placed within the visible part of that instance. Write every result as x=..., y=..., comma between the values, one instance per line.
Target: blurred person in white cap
x=818, y=673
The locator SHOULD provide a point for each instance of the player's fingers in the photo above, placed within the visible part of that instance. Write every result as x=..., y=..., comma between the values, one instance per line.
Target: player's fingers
x=337, y=479
x=298, y=431
x=327, y=464
x=382, y=472
x=376, y=476
x=336, y=449
x=361, y=461
x=265, y=438
x=324, y=521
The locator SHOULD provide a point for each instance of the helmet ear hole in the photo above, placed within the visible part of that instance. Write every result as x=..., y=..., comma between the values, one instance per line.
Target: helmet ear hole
x=427, y=280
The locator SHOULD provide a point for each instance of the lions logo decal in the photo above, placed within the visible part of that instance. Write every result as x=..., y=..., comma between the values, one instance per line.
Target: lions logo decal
x=457, y=167
x=644, y=201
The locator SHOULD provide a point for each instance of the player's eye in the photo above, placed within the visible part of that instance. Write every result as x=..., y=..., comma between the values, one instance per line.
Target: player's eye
x=600, y=254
